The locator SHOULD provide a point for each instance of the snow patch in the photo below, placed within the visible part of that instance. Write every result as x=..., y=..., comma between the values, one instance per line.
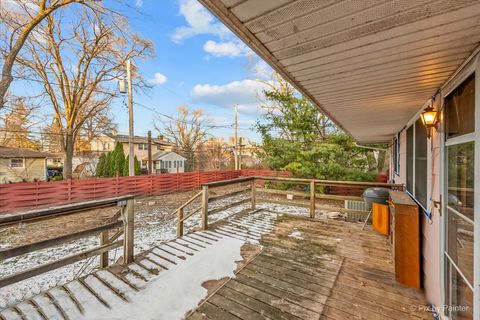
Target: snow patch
x=296, y=234
x=176, y=291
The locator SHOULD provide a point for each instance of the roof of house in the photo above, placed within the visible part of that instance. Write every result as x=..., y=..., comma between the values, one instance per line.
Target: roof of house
x=8, y=152
x=368, y=65
x=161, y=154
x=138, y=139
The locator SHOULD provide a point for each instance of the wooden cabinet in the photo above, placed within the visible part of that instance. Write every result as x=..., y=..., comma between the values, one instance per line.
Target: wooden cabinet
x=405, y=238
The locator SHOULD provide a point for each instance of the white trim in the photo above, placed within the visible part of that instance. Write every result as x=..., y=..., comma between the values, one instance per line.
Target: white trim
x=461, y=215
x=469, y=137
x=476, y=205
x=470, y=66
x=443, y=188
x=463, y=72
x=459, y=271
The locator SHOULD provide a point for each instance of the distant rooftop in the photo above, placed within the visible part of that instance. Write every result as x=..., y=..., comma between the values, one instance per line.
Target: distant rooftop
x=8, y=152
x=139, y=139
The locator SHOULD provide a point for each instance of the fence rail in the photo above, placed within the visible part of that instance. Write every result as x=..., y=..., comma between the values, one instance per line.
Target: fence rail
x=30, y=195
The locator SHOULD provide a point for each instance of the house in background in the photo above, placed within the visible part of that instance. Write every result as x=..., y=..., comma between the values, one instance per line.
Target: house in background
x=166, y=162
x=17, y=165
x=107, y=142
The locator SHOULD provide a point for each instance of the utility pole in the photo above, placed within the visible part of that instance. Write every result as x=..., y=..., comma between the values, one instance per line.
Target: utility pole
x=149, y=163
x=235, y=148
x=131, y=156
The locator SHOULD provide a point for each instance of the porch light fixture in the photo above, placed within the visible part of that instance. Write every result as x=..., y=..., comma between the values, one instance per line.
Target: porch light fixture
x=430, y=119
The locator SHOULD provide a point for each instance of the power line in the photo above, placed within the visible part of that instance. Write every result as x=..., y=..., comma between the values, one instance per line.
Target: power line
x=176, y=119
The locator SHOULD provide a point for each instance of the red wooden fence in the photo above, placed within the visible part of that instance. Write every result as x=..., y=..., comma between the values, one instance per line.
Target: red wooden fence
x=29, y=195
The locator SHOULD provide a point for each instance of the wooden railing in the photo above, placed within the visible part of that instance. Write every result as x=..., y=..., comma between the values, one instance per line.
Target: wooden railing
x=122, y=221
x=312, y=195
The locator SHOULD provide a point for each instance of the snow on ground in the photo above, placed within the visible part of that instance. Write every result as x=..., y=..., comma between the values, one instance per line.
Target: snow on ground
x=146, y=236
x=296, y=234
x=176, y=291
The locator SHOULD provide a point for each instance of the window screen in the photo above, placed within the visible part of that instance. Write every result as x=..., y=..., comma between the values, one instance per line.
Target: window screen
x=410, y=159
x=421, y=192
x=460, y=109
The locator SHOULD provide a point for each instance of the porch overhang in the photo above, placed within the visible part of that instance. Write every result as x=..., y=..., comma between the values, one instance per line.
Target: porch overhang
x=369, y=65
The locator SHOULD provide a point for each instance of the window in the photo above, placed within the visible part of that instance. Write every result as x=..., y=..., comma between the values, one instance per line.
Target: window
x=181, y=164
x=460, y=109
x=159, y=148
x=17, y=163
x=417, y=153
x=175, y=163
x=143, y=146
x=169, y=164
x=421, y=163
x=460, y=193
x=396, y=155
x=410, y=159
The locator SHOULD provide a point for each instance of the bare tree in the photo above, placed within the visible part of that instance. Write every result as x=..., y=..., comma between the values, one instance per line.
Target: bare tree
x=188, y=132
x=18, y=18
x=215, y=154
x=78, y=59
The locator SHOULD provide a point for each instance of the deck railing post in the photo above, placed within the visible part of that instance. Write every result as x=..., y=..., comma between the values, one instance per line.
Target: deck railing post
x=254, y=193
x=180, y=223
x=128, y=224
x=312, y=199
x=204, y=207
x=104, y=255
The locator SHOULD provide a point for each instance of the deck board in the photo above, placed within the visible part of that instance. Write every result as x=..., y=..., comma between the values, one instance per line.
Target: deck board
x=304, y=269
x=333, y=270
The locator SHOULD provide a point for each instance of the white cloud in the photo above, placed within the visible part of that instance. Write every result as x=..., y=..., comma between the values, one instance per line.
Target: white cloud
x=226, y=49
x=244, y=93
x=199, y=21
x=158, y=79
x=139, y=3
x=262, y=70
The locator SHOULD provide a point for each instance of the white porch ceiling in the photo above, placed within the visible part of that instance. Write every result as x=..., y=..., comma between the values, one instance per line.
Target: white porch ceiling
x=370, y=65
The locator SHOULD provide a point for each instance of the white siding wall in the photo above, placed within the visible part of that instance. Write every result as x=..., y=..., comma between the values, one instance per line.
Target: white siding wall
x=430, y=238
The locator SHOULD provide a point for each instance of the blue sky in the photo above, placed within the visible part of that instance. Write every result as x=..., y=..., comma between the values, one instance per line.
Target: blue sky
x=198, y=63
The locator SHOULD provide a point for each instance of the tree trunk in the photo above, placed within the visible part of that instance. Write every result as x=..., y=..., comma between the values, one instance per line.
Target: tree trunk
x=68, y=156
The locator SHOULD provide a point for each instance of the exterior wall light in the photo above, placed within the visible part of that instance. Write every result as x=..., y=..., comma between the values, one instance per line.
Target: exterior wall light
x=430, y=119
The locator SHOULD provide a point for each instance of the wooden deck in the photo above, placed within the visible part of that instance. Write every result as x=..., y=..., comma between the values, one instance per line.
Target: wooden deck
x=311, y=269
x=304, y=269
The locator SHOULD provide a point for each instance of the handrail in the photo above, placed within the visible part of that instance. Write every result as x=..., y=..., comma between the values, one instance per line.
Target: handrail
x=66, y=209
x=107, y=243
x=189, y=201
x=253, y=179
x=330, y=182
x=227, y=182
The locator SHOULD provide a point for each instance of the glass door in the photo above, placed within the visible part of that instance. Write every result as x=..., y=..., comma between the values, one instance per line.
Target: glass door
x=460, y=200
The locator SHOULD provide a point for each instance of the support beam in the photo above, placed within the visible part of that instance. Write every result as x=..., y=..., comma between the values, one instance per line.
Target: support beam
x=104, y=255
x=128, y=220
x=204, y=207
x=254, y=194
x=312, y=199
x=180, y=222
